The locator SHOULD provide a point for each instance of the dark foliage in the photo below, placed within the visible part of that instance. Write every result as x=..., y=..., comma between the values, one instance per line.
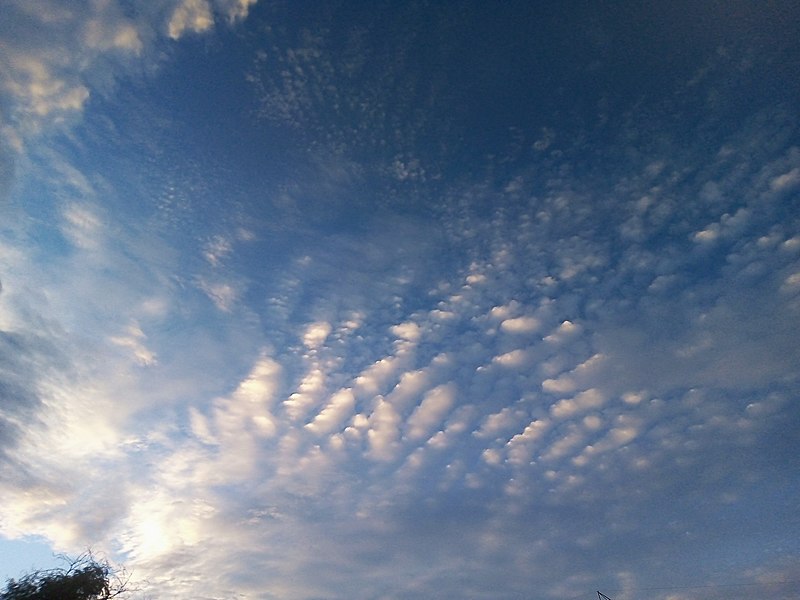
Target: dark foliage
x=83, y=578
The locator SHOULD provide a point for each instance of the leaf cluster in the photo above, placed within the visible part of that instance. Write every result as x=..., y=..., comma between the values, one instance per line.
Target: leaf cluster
x=83, y=578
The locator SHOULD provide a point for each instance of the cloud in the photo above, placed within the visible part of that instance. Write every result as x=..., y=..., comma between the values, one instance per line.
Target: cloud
x=234, y=10
x=190, y=15
x=399, y=406
x=520, y=325
x=340, y=407
x=787, y=181
x=498, y=422
x=409, y=331
x=409, y=388
x=57, y=56
x=223, y=294
x=514, y=358
x=434, y=406
x=133, y=339
x=307, y=395
x=520, y=447
x=25, y=357
x=316, y=334
x=569, y=407
x=384, y=431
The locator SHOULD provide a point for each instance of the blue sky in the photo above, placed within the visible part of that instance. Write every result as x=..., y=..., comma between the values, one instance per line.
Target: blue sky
x=402, y=300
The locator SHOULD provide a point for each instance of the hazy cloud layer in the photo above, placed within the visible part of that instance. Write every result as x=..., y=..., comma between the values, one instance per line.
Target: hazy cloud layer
x=414, y=344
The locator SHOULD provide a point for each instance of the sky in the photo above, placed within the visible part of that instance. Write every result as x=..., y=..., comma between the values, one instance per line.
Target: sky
x=396, y=300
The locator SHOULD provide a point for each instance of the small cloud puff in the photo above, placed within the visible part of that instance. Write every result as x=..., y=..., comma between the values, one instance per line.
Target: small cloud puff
x=134, y=339
x=307, y=395
x=217, y=250
x=384, y=432
x=791, y=283
x=707, y=235
x=431, y=411
x=569, y=407
x=520, y=325
x=520, y=447
x=338, y=409
x=190, y=15
x=316, y=334
x=563, y=332
x=223, y=294
x=234, y=10
x=82, y=226
x=114, y=36
x=408, y=331
x=563, y=384
x=514, y=358
x=785, y=182
x=497, y=422
x=41, y=92
x=728, y=225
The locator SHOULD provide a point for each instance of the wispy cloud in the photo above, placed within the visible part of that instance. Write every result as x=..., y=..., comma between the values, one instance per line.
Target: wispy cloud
x=55, y=55
x=332, y=385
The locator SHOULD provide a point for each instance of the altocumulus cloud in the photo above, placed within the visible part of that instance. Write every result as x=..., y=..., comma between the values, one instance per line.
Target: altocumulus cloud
x=404, y=348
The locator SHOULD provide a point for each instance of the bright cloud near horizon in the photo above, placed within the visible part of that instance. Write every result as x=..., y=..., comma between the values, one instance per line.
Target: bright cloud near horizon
x=305, y=300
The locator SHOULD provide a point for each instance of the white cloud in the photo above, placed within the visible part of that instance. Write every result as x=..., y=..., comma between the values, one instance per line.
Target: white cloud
x=384, y=431
x=633, y=398
x=521, y=447
x=339, y=408
x=562, y=385
x=57, y=54
x=520, y=325
x=626, y=429
x=201, y=427
x=221, y=473
x=408, y=331
x=492, y=456
x=786, y=181
x=41, y=93
x=792, y=244
x=505, y=311
x=791, y=283
x=190, y=15
x=498, y=422
x=574, y=379
x=707, y=235
x=375, y=378
x=217, y=250
x=316, y=334
x=515, y=358
x=409, y=388
x=234, y=10
x=308, y=393
x=223, y=294
x=569, y=407
x=261, y=384
x=727, y=226
x=82, y=226
x=565, y=331
x=104, y=36
x=431, y=411
x=245, y=415
x=161, y=522
x=134, y=339
x=442, y=315
x=566, y=442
